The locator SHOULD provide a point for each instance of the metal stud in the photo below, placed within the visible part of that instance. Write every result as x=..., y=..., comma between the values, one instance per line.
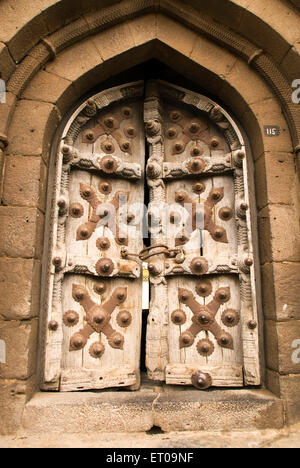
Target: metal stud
x=199, y=266
x=124, y=318
x=97, y=350
x=71, y=318
x=53, y=325
x=201, y=380
x=103, y=243
x=104, y=267
x=100, y=288
x=178, y=317
x=76, y=210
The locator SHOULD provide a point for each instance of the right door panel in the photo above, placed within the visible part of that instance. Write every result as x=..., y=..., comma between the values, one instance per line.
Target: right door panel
x=203, y=324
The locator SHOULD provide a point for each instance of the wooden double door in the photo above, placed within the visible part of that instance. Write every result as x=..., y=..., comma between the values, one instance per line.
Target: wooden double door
x=183, y=156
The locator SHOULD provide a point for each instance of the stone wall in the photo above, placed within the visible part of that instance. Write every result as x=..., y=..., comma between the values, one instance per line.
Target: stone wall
x=244, y=53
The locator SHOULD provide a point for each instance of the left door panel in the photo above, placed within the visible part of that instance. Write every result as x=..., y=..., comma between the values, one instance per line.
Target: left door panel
x=92, y=288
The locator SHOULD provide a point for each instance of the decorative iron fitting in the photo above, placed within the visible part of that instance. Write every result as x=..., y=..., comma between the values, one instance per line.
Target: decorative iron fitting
x=98, y=320
x=201, y=380
x=204, y=317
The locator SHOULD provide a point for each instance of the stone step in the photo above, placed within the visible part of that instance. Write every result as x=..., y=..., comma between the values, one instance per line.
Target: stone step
x=165, y=407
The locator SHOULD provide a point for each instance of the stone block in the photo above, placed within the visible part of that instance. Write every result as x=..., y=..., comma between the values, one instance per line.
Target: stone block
x=182, y=39
x=13, y=397
x=268, y=24
x=277, y=243
x=51, y=88
x=7, y=65
x=174, y=410
x=287, y=388
x=25, y=182
x=281, y=286
x=112, y=42
x=282, y=345
x=291, y=62
x=19, y=288
x=276, y=179
x=32, y=128
x=20, y=340
x=21, y=232
x=143, y=29
x=6, y=111
x=266, y=113
x=65, y=65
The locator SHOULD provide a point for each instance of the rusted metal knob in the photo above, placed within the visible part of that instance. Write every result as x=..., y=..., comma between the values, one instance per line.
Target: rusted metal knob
x=100, y=288
x=71, y=318
x=153, y=269
x=57, y=262
x=77, y=342
x=230, y=318
x=196, y=151
x=186, y=340
x=84, y=233
x=205, y=347
x=199, y=266
x=89, y=135
x=175, y=116
x=248, y=261
x=204, y=288
x=214, y=143
x=127, y=112
x=103, y=243
x=99, y=316
x=178, y=317
x=196, y=166
x=244, y=206
x=116, y=341
x=105, y=188
x=97, y=350
x=201, y=381
x=53, y=325
x=124, y=319
x=180, y=197
x=109, y=122
x=218, y=233
x=86, y=193
x=184, y=296
x=131, y=132
x=125, y=146
x=222, y=295
x=225, y=340
x=178, y=147
x=252, y=324
x=194, y=127
x=199, y=188
x=76, y=210
x=172, y=133
x=104, y=267
x=216, y=195
x=61, y=203
x=226, y=213
x=79, y=293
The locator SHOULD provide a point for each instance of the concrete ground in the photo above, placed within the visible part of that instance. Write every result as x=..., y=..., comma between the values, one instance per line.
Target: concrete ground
x=285, y=438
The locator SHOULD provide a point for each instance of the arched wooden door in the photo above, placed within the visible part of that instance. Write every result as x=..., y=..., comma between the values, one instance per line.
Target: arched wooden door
x=203, y=326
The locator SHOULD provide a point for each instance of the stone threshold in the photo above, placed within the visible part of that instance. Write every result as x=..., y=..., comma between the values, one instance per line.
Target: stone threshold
x=169, y=408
